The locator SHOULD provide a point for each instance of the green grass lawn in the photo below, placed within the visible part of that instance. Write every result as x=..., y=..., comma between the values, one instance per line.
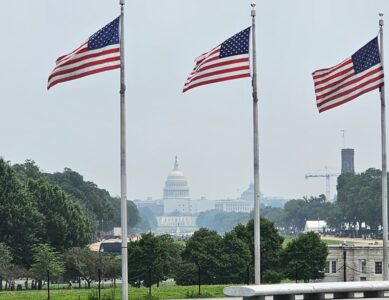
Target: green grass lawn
x=162, y=292
x=288, y=239
x=331, y=242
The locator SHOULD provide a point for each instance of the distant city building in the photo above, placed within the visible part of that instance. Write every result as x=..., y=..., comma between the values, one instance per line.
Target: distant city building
x=237, y=205
x=176, y=221
x=202, y=205
x=177, y=212
x=348, y=161
x=354, y=263
x=243, y=204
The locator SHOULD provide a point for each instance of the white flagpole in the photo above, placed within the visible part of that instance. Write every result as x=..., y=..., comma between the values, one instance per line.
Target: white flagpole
x=257, y=231
x=384, y=165
x=123, y=175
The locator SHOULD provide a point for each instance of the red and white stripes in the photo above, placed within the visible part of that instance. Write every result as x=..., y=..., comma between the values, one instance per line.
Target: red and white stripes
x=83, y=62
x=340, y=84
x=210, y=68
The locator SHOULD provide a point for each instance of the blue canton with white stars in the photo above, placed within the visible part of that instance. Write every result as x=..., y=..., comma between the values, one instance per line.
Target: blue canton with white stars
x=237, y=44
x=366, y=57
x=108, y=35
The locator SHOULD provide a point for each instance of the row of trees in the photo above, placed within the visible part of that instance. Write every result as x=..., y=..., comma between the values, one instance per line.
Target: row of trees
x=206, y=256
x=73, y=264
x=358, y=202
x=229, y=258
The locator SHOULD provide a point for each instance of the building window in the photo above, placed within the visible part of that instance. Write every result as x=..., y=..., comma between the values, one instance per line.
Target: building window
x=362, y=264
x=330, y=267
x=378, y=267
x=333, y=266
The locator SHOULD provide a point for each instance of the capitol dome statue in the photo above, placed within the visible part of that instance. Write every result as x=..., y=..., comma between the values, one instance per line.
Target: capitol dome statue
x=176, y=185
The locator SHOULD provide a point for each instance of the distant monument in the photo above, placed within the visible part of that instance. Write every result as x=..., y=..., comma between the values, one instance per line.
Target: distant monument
x=348, y=161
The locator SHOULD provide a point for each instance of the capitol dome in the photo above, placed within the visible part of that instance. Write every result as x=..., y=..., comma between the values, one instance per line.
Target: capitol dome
x=176, y=185
x=248, y=194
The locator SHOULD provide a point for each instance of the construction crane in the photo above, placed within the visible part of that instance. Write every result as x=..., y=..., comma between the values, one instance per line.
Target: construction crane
x=327, y=177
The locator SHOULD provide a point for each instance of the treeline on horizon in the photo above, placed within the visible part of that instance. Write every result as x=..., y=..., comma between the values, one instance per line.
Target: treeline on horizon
x=357, y=207
x=358, y=203
x=60, y=209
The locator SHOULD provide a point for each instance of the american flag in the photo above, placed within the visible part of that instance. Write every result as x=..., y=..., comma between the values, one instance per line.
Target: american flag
x=229, y=60
x=101, y=52
x=355, y=76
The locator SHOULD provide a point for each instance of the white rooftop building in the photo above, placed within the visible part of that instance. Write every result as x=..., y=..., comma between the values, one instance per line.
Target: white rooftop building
x=317, y=226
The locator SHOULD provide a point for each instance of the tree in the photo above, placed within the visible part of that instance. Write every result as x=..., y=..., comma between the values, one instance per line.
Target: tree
x=5, y=263
x=304, y=258
x=271, y=245
x=186, y=273
x=234, y=260
x=274, y=214
x=98, y=202
x=20, y=221
x=155, y=255
x=82, y=263
x=359, y=197
x=65, y=224
x=112, y=267
x=204, y=250
x=46, y=259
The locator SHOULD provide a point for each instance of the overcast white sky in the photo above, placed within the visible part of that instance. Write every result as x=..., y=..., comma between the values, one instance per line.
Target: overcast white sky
x=76, y=124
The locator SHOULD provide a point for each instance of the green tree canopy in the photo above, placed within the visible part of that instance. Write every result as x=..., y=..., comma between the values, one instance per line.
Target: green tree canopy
x=20, y=220
x=155, y=255
x=304, y=258
x=97, y=203
x=82, y=263
x=44, y=259
x=204, y=250
x=271, y=245
x=359, y=198
x=235, y=259
x=65, y=225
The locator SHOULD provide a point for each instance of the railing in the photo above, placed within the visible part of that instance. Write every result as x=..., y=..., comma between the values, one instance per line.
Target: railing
x=310, y=291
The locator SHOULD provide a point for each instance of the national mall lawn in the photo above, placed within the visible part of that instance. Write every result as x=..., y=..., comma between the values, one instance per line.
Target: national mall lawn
x=162, y=292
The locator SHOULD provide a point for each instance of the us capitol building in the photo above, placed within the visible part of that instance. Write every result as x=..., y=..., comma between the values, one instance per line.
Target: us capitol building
x=176, y=212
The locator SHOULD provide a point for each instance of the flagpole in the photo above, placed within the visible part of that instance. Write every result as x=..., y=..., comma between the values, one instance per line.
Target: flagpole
x=384, y=165
x=123, y=175
x=257, y=233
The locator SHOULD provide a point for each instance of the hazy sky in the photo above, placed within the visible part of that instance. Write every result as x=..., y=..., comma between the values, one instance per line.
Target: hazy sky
x=76, y=124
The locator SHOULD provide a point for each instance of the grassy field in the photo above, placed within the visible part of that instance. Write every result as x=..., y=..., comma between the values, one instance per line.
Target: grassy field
x=287, y=239
x=162, y=292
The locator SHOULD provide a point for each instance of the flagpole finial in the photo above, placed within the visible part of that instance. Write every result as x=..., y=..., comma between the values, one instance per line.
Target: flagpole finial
x=381, y=14
x=253, y=4
x=122, y=2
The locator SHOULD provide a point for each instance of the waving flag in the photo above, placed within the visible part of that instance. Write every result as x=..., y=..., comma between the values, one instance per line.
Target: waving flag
x=230, y=60
x=101, y=52
x=355, y=76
